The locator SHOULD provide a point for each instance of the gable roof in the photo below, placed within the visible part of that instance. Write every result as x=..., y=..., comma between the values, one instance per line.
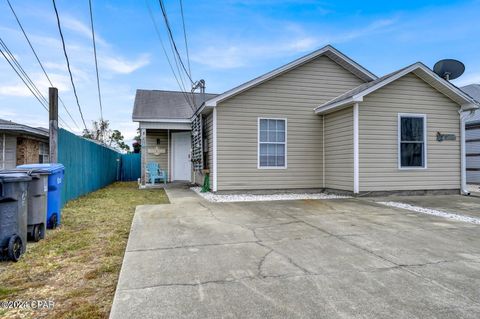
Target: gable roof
x=17, y=128
x=328, y=51
x=155, y=105
x=419, y=69
x=474, y=91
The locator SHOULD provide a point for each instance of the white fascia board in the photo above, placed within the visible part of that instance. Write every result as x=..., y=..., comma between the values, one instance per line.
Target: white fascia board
x=162, y=120
x=247, y=85
x=469, y=102
x=165, y=126
x=337, y=105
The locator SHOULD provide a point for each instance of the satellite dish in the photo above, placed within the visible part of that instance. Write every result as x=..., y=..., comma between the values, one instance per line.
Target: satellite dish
x=449, y=69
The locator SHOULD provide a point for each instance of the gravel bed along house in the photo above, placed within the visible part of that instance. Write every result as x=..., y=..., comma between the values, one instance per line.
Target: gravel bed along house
x=217, y=198
x=434, y=212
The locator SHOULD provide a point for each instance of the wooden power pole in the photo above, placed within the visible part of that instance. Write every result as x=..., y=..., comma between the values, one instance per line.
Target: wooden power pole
x=53, y=124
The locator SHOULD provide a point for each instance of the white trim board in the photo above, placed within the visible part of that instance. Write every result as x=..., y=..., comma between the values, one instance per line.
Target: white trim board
x=425, y=141
x=214, y=146
x=356, y=166
x=418, y=69
x=336, y=56
x=258, y=143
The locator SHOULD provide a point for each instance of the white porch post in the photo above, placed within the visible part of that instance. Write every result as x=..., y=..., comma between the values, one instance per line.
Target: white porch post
x=214, y=155
x=168, y=157
x=356, y=174
x=143, y=154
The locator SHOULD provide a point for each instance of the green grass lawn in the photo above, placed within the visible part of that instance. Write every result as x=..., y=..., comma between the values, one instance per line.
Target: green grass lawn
x=78, y=264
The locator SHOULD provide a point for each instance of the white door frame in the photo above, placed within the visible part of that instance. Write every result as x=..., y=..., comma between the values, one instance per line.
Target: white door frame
x=172, y=156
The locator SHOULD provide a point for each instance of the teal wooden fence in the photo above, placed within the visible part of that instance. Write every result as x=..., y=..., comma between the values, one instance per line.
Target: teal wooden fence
x=88, y=165
x=131, y=167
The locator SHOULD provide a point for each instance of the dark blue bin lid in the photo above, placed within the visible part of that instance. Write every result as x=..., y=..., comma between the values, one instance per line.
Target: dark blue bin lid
x=11, y=177
x=42, y=168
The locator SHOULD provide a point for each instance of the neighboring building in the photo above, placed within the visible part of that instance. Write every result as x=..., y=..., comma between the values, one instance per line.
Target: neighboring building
x=22, y=144
x=320, y=122
x=472, y=136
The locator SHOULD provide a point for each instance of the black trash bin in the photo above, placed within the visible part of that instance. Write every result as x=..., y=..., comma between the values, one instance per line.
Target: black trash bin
x=13, y=214
x=37, y=202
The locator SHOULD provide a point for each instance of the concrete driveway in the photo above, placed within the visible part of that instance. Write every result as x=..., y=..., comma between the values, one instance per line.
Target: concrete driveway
x=342, y=258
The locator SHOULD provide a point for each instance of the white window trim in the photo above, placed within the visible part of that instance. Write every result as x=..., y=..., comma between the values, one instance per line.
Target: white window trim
x=425, y=137
x=258, y=143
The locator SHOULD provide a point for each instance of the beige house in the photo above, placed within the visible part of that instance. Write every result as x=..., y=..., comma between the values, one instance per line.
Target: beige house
x=320, y=122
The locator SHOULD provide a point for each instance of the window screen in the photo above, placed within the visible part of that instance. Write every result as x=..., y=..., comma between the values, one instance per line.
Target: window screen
x=412, y=141
x=272, y=146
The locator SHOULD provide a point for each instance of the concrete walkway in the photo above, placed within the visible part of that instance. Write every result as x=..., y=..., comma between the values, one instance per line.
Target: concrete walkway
x=345, y=258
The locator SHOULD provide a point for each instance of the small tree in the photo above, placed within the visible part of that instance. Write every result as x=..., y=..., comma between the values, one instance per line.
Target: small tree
x=116, y=140
x=101, y=132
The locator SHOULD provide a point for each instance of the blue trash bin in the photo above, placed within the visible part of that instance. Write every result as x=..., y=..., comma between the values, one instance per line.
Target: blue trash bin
x=55, y=180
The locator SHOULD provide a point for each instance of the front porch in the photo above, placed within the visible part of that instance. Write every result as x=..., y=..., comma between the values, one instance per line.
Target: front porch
x=170, y=149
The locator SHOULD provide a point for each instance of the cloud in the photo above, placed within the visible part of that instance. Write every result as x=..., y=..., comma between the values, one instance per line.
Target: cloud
x=472, y=78
x=82, y=29
x=294, y=40
x=121, y=65
x=20, y=90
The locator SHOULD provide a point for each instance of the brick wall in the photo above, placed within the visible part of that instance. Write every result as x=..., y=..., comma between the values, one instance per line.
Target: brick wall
x=27, y=151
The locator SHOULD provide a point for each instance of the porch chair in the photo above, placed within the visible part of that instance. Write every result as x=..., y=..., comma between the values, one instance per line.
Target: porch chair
x=154, y=173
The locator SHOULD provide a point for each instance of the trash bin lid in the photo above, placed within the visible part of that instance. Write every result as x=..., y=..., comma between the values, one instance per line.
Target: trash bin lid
x=14, y=177
x=43, y=168
x=29, y=172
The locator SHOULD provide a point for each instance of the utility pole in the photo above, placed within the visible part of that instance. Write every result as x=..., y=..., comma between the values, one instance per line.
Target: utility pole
x=53, y=124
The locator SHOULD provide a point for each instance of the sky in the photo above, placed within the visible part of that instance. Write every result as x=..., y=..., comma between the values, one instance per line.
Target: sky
x=229, y=42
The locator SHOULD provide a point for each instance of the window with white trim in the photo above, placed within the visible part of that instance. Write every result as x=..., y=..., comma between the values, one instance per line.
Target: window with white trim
x=272, y=146
x=43, y=153
x=412, y=140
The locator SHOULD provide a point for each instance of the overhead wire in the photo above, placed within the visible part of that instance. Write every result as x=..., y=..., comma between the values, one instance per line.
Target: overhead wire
x=96, y=62
x=68, y=64
x=15, y=65
x=38, y=60
x=185, y=38
x=170, y=33
x=157, y=30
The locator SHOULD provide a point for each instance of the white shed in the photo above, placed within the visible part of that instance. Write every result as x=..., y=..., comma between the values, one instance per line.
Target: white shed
x=472, y=138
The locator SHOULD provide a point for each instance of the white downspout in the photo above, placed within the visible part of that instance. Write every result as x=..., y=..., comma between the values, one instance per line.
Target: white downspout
x=168, y=156
x=3, y=152
x=463, y=157
x=323, y=149
x=356, y=175
x=214, y=146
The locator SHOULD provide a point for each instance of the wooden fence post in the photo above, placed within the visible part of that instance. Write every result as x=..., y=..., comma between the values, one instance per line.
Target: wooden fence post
x=53, y=124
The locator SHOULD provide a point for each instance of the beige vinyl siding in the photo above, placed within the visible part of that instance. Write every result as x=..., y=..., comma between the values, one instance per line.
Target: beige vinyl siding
x=151, y=140
x=378, y=138
x=339, y=150
x=292, y=96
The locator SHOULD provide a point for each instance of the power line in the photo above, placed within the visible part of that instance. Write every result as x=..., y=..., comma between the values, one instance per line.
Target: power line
x=38, y=59
x=22, y=71
x=68, y=63
x=182, y=89
x=169, y=29
x=96, y=63
x=185, y=38
x=27, y=80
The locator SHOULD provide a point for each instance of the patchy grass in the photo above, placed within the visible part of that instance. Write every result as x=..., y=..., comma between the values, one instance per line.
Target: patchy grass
x=78, y=264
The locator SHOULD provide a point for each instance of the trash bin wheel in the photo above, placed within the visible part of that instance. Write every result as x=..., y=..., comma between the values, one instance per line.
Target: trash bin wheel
x=36, y=233
x=15, y=248
x=54, y=221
